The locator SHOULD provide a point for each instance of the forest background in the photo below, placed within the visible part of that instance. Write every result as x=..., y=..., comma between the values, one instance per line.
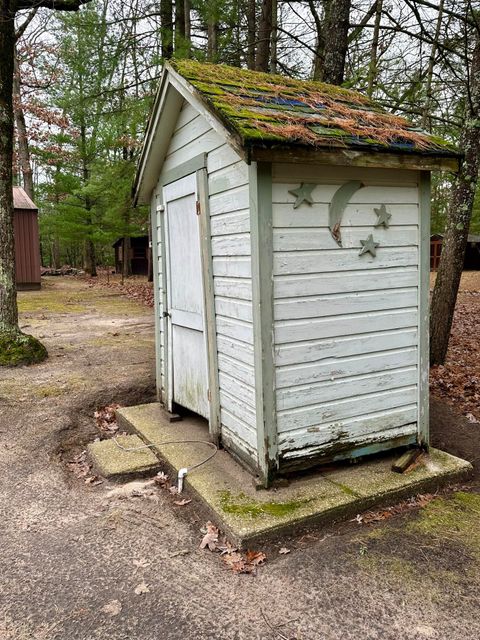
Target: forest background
x=85, y=82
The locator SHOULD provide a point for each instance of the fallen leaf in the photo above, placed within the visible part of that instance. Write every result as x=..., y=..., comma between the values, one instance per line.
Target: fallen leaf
x=161, y=479
x=112, y=608
x=182, y=503
x=210, y=538
x=142, y=588
x=255, y=557
x=283, y=551
x=471, y=418
x=173, y=489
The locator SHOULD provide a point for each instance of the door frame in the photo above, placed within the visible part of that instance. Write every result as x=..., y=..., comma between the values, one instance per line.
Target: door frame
x=197, y=166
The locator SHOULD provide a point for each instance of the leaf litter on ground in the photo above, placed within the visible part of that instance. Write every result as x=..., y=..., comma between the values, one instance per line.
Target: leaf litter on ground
x=370, y=517
x=235, y=560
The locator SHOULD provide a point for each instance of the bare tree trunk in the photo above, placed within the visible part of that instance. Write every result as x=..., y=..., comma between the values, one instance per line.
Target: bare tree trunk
x=166, y=20
x=372, y=68
x=23, y=150
x=317, y=71
x=458, y=222
x=274, y=45
x=188, y=22
x=431, y=65
x=8, y=293
x=251, y=32
x=127, y=261
x=212, y=38
x=337, y=22
x=262, y=59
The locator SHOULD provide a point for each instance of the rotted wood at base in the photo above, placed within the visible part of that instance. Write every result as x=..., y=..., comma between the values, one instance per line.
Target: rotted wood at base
x=347, y=452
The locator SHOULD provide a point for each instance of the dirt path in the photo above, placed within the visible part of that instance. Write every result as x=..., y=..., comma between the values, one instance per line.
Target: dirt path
x=71, y=557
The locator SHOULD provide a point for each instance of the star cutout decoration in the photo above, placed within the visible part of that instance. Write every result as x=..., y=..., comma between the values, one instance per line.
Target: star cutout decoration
x=369, y=246
x=383, y=217
x=303, y=194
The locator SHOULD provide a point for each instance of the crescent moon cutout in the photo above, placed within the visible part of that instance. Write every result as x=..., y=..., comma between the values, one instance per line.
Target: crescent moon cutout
x=337, y=206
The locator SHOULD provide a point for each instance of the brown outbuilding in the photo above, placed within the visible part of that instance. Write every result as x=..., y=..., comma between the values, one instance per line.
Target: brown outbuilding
x=27, y=240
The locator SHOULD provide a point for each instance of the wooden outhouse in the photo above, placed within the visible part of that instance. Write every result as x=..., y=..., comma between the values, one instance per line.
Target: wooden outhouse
x=27, y=240
x=291, y=255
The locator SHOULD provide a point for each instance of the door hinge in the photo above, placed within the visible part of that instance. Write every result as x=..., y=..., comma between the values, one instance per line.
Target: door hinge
x=165, y=314
x=199, y=209
x=209, y=395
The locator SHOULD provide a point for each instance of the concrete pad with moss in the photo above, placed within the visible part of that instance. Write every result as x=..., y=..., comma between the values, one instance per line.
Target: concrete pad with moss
x=110, y=461
x=248, y=515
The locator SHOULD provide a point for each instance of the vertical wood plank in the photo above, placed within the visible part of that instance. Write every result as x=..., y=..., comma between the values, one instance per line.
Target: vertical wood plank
x=157, y=293
x=423, y=309
x=209, y=305
x=260, y=179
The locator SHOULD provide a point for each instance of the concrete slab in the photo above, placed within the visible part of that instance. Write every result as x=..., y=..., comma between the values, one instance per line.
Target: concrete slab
x=112, y=462
x=248, y=515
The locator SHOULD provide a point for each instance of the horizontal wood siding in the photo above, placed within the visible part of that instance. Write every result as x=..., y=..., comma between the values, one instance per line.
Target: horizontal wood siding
x=346, y=326
x=230, y=227
x=231, y=255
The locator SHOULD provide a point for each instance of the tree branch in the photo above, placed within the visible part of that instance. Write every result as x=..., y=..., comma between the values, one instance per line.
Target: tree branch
x=21, y=29
x=60, y=5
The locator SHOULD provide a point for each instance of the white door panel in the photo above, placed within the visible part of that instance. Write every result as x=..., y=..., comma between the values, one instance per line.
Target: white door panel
x=188, y=362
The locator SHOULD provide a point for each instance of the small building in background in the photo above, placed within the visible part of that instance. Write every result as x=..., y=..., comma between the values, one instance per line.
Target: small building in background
x=27, y=240
x=472, y=252
x=139, y=255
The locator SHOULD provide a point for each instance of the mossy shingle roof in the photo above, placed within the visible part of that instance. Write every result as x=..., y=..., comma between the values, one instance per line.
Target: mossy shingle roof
x=271, y=110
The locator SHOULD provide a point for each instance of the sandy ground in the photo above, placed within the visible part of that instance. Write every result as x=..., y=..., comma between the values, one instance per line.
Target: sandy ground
x=71, y=557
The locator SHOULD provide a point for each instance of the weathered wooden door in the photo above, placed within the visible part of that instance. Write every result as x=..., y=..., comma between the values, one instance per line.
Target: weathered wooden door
x=186, y=339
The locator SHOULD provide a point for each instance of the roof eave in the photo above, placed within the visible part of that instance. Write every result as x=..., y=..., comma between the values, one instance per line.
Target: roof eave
x=348, y=156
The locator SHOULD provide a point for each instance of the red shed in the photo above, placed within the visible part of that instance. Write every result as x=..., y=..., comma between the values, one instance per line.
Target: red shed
x=27, y=240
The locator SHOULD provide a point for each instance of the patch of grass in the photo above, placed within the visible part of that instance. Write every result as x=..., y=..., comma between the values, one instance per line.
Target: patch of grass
x=452, y=518
x=242, y=505
x=18, y=348
x=50, y=302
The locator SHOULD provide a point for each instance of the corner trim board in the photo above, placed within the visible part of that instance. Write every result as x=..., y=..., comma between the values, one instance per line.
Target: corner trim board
x=423, y=309
x=260, y=180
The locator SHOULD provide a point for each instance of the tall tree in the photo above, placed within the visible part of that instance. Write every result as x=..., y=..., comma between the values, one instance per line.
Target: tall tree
x=459, y=216
x=23, y=348
x=337, y=22
x=262, y=60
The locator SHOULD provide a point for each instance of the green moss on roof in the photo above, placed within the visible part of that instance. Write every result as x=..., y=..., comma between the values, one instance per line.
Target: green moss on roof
x=265, y=109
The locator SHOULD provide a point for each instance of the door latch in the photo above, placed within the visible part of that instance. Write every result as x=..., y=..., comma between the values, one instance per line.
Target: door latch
x=165, y=314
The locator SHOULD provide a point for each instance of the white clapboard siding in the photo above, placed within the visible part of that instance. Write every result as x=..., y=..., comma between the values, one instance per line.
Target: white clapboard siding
x=232, y=267
x=374, y=195
x=325, y=174
x=230, y=223
x=311, y=416
x=317, y=328
x=355, y=215
x=332, y=305
x=369, y=428
x=239, y=352
x=226, y=286
x=317, y=284
x=231, y=263
x=327, y=391
x=329, y=260
x=304, y=239
x=237, y=244
x=334, y=368
x=232, y=200
x=345, y=325
x=343, y=347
